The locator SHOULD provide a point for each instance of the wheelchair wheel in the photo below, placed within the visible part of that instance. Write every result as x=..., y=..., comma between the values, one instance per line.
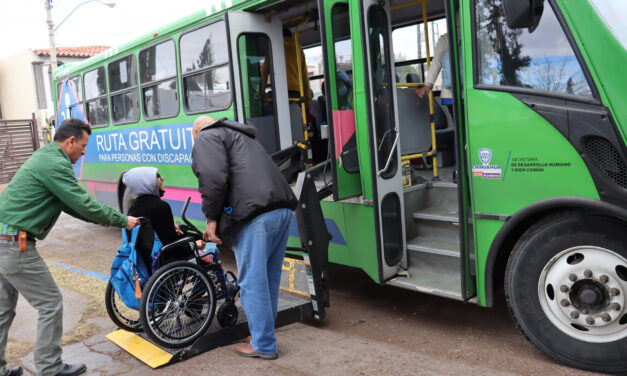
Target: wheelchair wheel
x=177, y=304
x=227, y=314
x=124, y=317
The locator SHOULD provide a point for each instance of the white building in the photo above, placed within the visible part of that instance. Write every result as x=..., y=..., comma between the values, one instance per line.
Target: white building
x=25, y=82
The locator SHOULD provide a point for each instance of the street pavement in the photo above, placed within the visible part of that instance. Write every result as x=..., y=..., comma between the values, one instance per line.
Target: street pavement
x=369, y=330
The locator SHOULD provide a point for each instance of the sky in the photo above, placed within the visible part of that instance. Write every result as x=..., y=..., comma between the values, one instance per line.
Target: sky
x=23, y=22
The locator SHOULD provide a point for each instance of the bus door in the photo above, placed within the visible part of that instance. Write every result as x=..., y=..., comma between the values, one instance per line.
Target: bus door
x=259, y=77
x=337, y=48
x=384, y=135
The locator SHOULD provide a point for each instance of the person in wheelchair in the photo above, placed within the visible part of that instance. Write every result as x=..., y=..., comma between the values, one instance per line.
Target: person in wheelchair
x=146, y=183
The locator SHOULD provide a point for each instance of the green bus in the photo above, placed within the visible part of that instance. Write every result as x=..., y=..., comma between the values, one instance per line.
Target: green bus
x=518, y=180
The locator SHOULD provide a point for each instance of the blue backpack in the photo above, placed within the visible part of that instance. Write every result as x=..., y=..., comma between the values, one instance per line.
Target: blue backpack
x=129, y=271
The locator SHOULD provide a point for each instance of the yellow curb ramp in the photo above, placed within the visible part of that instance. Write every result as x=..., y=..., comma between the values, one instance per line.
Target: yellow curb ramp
x=143, y=350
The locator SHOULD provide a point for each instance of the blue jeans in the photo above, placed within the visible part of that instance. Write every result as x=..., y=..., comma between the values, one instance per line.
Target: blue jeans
x=259, y=251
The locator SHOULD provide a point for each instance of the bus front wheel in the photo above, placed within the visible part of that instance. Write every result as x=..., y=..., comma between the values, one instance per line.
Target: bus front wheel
x=565, y=286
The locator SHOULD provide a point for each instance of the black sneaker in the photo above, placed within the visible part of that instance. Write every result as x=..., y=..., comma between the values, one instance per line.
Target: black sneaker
x=15, y=371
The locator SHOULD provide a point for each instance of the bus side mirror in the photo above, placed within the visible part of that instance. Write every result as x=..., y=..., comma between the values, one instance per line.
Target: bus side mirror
x=523, y=13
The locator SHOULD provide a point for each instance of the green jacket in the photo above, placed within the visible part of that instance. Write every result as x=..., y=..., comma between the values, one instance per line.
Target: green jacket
x=45, y=186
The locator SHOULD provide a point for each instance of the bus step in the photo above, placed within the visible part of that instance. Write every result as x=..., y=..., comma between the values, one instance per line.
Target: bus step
x=431, y=273
x=437, y=214
x=433, y=245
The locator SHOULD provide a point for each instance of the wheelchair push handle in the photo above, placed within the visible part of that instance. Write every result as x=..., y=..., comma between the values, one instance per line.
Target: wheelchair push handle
x=187, y=222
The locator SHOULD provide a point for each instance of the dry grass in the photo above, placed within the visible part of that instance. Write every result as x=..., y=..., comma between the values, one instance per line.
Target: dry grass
x=16, y=350
x=94, y=289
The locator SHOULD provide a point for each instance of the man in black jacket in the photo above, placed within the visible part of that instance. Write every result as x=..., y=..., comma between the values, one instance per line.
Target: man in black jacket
x=248, y=205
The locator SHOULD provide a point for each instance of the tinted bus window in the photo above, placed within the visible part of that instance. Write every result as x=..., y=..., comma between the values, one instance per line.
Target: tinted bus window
x=96, y=104
x=343, y=52
x=75, y=83
x=157, y=72
x=204, y=47
x=205, y=70
x=123, y=87
x=524, y=59
x=208, y=91
x=407, y=50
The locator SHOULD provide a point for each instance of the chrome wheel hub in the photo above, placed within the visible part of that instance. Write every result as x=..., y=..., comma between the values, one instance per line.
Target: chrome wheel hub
x=582, y=292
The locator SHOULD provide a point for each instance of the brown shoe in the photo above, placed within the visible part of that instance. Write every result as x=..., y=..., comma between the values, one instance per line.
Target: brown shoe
x=247, y=350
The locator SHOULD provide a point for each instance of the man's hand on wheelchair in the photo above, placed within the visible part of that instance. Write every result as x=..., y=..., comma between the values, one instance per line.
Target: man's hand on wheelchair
x=131, y=222
x=210, y=233
x=200, y=244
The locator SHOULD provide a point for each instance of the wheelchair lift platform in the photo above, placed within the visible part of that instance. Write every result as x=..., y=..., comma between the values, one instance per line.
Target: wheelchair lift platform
x=303, y=294
x=291, y=309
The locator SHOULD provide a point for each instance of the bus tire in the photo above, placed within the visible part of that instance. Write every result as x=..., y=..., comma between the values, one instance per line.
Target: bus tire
x=565, y=286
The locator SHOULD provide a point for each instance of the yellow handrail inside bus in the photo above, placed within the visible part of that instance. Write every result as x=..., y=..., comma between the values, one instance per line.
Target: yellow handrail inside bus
x=410, y=84
x=300, y=76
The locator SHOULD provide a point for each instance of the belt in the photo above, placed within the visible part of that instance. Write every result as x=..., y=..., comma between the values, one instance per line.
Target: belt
x=14, y=238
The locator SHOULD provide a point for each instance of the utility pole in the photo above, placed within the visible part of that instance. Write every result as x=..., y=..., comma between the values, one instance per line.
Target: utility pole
x=53, y=51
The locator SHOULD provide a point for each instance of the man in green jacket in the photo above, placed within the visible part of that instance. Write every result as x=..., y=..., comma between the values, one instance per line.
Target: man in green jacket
x=41, y=189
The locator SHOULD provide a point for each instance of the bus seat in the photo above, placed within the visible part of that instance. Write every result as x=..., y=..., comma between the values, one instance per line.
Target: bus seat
x=444, y=130
x=415, y=126
x=412, y=78
x=322, y=102
x=320, y=146
x=316, y=112
x=296, y=120
x=266, y=132
x=413, y=118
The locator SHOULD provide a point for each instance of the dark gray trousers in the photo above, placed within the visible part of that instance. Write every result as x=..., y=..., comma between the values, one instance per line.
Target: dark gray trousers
x=26, y=273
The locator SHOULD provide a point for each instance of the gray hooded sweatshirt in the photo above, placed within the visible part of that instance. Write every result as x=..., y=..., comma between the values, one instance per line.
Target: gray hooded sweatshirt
x=142, y=181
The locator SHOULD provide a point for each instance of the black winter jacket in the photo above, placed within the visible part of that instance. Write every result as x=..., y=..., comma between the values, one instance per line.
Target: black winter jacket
x=235, y=171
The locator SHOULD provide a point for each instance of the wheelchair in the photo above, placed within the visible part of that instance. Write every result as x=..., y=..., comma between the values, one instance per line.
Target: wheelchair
x=179, y=300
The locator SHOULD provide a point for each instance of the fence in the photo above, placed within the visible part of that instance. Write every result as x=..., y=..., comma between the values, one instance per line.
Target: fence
x=18, y=140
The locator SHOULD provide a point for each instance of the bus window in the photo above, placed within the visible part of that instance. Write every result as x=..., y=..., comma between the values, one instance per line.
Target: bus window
x=382, y=89
x=205, y=69
x=75, y=84
x=123, y=87
x=157, y=76
x=523, y=59
x=255, y=63
x=96, y=105
x=343, y=52
x=315, y=68
x=410, y=56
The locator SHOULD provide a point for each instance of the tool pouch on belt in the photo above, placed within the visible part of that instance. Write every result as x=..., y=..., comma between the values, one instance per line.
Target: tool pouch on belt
x=22, y=240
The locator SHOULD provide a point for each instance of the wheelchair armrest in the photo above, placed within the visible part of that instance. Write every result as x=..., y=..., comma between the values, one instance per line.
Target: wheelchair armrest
x=177, y=243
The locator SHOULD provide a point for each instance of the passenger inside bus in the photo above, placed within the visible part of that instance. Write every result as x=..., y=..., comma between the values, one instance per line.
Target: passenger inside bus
x=344, y=91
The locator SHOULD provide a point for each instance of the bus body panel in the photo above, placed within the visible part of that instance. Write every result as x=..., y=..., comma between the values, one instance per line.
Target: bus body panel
x=353, y=240
x=604, y=55
x=515, y=158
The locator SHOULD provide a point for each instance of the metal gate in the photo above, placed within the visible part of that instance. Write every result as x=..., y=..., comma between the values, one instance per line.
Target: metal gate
x=18, y=140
